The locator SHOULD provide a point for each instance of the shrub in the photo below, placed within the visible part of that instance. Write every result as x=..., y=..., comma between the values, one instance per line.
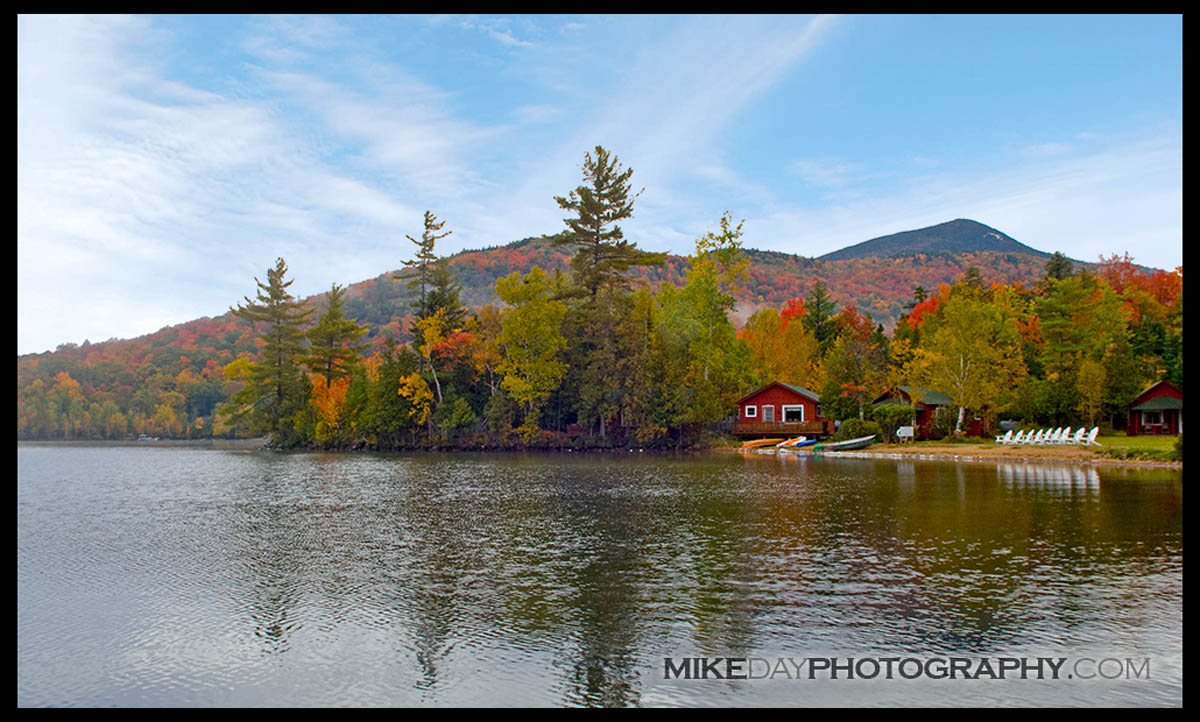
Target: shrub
x=891, y=417
x=943, y=422
x=854, y=428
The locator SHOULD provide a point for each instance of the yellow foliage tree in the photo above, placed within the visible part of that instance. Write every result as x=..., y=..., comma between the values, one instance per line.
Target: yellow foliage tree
x=416, y=390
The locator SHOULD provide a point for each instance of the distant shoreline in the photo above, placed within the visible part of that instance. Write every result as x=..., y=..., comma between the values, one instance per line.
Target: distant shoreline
x=177, y=443
x=1018, y=455
x=1013, y=455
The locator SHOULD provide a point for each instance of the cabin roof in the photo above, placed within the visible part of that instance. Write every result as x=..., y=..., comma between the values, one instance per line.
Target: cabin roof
x=1164, y=385
x=1159, y=402
x=929, y=397
x=790, y=387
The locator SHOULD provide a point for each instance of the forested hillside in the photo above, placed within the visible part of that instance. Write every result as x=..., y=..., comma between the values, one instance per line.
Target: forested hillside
x=584, y=332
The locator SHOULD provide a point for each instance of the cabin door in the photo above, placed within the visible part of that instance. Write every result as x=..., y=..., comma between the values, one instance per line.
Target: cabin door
x=768, y=414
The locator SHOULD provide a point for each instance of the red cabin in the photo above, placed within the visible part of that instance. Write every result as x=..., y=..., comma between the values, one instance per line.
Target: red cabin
x=1158, y=410
x=931, y=403
x=781, y=409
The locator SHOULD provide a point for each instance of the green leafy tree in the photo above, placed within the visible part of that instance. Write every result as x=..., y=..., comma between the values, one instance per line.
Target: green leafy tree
x=972, y=354
x=1091, y=380
x=1080, y=318
x=706, y=366
x=387, y=414
x=856, y=367
x=532, y=339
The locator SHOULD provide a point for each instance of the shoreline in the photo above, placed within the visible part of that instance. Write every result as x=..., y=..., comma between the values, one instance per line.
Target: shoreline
x=1020, y=455
x=1096, y=461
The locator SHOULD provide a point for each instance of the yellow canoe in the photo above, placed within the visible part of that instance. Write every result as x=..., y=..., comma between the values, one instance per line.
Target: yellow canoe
x=760, y=442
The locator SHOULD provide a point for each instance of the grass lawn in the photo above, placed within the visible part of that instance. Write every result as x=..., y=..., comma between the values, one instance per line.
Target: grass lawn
x=1121, y=441
x=1118, y=446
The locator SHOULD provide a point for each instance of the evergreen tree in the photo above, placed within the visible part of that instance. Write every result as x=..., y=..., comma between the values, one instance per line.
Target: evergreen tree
x=333, y=353
x=819, y=317
x=602, y=253
x=276, y=387
x=919, y=295
x=1059, y=266
x=420, y=275
x=443, y=295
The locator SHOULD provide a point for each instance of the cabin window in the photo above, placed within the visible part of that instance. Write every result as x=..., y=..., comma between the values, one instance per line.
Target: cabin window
x=793, y=414
x=1151, y=418
x=751, y=412
x=768, y=413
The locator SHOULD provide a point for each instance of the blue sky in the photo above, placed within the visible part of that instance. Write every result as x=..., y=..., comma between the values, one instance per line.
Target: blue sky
x=164, y=162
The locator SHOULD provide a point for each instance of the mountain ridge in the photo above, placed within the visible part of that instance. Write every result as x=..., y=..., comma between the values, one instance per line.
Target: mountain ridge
x=957, y=236
x=877, y=284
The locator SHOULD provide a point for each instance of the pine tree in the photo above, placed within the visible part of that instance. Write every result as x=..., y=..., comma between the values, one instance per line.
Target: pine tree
x=333, y=353
x=1059, y=266
x=420, y=275
x=443, y=295
x=602, y=253
x=819, y=319
x=275, y=387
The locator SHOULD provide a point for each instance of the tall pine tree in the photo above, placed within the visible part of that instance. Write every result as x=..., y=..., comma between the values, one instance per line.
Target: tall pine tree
x=275, y=387
x=602, y=254
x=420, y=274
x=333, y=352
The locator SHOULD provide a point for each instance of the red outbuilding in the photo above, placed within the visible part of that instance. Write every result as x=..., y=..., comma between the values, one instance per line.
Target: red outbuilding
x=781, y=409
x=1158, y=410
x=932, y=404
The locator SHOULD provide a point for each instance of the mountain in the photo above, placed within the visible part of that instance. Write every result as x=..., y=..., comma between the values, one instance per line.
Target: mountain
x=136, y=377
x=877, y=284
x=877, y=276
x=957, y=236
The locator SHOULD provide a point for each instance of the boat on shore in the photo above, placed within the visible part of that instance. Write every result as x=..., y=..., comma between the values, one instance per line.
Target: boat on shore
x=759, y=443
x=798, y=445
x=861, y=442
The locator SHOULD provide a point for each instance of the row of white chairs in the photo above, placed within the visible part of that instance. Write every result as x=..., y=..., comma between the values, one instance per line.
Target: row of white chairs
x=1061, y=436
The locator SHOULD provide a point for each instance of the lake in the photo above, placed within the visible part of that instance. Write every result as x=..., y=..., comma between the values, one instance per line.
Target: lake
x=165, y=576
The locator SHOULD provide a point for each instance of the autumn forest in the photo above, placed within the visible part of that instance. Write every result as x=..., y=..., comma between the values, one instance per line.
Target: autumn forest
x=583, y=340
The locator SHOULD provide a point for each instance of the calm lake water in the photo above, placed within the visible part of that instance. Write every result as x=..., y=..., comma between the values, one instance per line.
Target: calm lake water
x=158, y=576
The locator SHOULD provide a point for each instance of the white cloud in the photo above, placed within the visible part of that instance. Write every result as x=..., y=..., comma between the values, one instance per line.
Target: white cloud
x=144, y=200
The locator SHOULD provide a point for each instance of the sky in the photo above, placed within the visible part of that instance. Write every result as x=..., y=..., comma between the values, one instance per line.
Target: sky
x=165, y=162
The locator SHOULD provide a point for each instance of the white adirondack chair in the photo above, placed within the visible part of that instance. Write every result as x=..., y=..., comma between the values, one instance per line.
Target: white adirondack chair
x=1078, y=438
x=1054, y=437
x=1065, y=436
x=1016, y=440
x=1091, y=437
x=1004, y=439
x=1037, y=438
